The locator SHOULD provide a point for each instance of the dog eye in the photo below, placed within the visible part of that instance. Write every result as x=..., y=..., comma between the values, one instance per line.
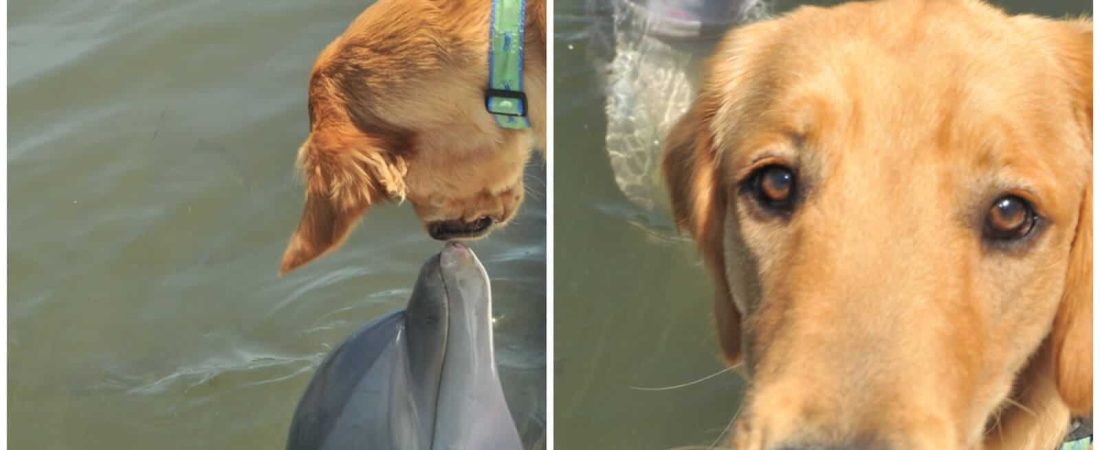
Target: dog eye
x=773, y=187
x=1010, y=218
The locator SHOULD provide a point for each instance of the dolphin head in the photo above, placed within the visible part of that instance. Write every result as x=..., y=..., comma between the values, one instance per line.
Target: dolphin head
x=453, y=282
x=423, y=378
x=465, y=279
x=452, y=289
x=470, y=411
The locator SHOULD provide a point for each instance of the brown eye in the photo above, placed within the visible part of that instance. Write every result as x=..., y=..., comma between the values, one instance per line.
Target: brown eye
x=1010, y=218
x=773, y=187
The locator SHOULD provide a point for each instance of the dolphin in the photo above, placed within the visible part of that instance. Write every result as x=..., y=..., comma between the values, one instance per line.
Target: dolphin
x=421, y=378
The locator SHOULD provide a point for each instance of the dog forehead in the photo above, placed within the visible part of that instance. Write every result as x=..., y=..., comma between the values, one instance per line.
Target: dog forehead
x=952, y=80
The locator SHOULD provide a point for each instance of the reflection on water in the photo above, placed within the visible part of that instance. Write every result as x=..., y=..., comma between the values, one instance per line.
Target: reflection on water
x=653, y=49
x=632, y=301
x=151, y=195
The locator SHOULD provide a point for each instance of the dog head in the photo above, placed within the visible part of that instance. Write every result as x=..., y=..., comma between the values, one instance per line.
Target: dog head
x=397, y=112
x=894, y=202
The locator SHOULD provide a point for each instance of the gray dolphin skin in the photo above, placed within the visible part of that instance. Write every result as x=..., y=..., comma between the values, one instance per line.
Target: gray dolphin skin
x=422, y=378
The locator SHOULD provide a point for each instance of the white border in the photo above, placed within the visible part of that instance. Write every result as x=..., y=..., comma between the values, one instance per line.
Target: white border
x=550, y=224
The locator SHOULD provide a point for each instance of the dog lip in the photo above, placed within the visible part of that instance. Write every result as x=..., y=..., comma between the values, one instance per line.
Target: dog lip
x=457, y=229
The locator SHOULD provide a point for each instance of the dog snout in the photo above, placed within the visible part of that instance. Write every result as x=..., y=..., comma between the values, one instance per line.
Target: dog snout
x=445, y=230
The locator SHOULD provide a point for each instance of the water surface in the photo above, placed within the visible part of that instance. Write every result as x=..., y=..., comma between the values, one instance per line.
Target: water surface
x=151, y=194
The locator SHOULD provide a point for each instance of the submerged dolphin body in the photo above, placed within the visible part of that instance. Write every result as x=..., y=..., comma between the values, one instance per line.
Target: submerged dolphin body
x=422, y=378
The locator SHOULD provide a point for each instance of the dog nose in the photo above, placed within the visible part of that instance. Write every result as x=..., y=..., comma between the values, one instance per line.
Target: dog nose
x=445, y=230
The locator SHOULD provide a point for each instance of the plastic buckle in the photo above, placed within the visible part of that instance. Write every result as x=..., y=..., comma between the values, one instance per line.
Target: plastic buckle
x=518, y=96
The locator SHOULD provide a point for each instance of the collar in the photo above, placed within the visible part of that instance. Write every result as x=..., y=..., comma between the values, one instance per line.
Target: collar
x=504, y=98
x=1080, y=435
x=1084, y=443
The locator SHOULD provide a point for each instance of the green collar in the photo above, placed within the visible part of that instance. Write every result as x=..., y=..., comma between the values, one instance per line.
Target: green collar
x=504, y=98
x=1080, y=444
x=1080, y=435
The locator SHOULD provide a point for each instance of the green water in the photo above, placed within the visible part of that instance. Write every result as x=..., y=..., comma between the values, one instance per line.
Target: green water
x=152, y=192
x=632, y=300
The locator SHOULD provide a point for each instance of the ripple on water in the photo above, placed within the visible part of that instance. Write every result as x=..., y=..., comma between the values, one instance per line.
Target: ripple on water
x=238, y=368
x=313, y=284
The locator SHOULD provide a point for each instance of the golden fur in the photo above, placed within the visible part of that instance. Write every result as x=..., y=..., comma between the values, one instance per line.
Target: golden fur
x=397, y=112
x=874, y=315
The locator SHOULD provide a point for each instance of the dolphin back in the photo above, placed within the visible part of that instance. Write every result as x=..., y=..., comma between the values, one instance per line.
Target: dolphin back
x=353, y=398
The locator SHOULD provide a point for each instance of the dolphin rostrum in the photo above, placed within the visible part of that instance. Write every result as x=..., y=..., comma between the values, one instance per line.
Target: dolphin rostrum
x=422, y=378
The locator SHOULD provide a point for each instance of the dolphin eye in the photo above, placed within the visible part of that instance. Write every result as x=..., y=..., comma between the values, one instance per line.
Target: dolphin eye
x=1010, y=218
x=773, y=187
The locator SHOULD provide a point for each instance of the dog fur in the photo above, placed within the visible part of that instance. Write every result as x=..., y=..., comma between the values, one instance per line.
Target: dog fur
x=875, y=315
x=397, y=112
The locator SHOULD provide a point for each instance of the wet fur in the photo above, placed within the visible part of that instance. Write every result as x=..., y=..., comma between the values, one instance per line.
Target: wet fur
x=875, y=315
x=396, y=106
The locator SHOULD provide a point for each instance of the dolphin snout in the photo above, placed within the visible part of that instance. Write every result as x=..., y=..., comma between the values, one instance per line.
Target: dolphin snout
x=455, y=254
x=463, y=275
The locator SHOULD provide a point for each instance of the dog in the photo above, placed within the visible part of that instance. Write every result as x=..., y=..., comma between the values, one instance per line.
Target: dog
x=893, y=199
x=397, y=109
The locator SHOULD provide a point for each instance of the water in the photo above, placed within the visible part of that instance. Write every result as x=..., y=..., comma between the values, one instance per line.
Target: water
x=632, y=300
x=152, y=193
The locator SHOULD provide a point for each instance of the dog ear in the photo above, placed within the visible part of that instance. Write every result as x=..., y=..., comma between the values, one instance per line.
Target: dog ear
x=345, y=174
x=690, y=168
x=1075, y=50
x=1072, y=334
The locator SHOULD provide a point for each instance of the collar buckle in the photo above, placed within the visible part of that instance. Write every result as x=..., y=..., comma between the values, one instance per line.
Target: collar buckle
x=506, y=103
x=504, y=97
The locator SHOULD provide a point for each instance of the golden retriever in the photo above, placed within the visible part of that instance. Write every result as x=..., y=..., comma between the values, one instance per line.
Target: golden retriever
x=397, y=111
x=894, y=200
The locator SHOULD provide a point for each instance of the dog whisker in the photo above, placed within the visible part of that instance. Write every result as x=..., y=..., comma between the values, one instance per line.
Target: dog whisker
x=682, y=385
x=996, y=423
x=534, y=186
x=729, y=424
x=725, y=431
x=1000, y=429
x=1021, y=406
x=532, y=192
